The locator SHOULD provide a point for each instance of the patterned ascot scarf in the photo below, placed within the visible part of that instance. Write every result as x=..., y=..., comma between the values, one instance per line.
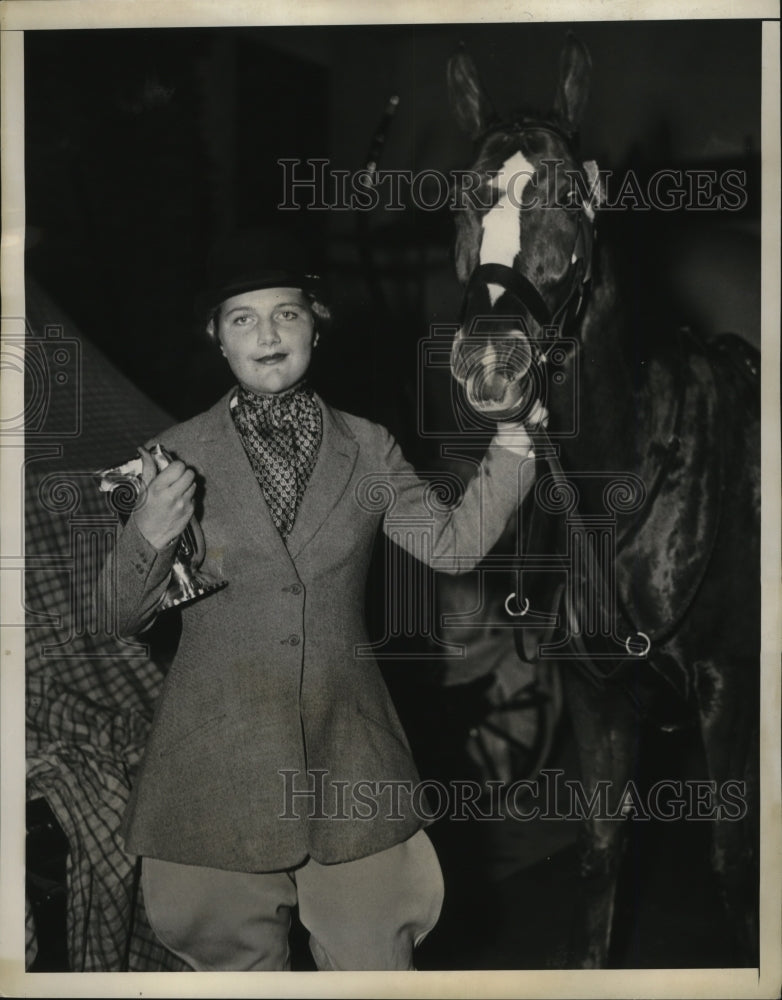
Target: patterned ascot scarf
x=281, y=435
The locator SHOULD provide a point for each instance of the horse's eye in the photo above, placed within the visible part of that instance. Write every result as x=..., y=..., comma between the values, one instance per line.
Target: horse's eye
x=570, y=201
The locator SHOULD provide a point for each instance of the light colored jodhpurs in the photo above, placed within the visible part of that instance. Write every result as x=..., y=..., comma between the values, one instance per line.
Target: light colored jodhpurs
x=367, y=914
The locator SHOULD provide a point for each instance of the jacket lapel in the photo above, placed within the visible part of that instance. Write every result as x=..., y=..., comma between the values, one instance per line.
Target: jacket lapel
x=232, y=477
x=330, y=477
x=231, y=474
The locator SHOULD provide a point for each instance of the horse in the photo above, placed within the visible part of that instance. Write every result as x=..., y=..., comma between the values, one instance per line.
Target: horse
x=647, y=500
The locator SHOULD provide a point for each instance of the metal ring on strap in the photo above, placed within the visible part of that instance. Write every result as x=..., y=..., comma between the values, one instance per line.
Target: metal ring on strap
x=516, y=614
x=641, y=635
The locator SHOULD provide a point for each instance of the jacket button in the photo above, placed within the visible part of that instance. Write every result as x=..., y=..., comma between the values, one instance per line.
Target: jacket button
x=296, y=588
x=293, y=640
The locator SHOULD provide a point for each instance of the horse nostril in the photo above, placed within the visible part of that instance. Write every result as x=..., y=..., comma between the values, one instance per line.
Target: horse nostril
x=495, y=385
x=516, y=355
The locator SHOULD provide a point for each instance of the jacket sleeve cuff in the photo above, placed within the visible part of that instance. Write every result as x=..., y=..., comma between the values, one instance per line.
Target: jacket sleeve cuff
x=149, y=565
x=142, y=575
x=515, y=437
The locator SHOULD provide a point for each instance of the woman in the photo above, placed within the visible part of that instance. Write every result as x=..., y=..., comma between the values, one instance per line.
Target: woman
x=276, y=772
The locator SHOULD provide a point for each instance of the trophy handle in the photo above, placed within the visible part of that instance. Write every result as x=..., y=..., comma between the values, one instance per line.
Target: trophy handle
x=191, y=542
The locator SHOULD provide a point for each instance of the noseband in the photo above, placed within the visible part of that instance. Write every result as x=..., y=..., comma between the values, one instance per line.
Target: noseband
x=520, y=287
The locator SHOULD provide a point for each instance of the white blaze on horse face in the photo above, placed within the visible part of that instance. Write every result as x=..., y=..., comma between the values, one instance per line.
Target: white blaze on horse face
x=502, y=223
x=491, y=387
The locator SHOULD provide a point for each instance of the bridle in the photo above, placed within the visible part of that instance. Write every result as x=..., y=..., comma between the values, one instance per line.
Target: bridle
x=520, y=287
x=555, y=323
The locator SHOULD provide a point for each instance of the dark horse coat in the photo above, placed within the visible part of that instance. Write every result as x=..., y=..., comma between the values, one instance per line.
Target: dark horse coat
x=266, y=678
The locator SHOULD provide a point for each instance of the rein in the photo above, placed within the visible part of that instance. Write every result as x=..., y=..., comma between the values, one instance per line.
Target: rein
x=638, y=645
x=595, y=578
x=622, y=619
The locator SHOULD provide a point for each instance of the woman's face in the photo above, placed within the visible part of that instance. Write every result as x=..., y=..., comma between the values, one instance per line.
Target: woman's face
x=267, y=337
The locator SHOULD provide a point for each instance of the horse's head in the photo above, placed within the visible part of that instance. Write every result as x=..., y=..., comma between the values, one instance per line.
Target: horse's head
x=524, y=236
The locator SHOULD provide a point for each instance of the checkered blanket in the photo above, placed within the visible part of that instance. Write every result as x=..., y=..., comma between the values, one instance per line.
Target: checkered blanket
x=90, y=696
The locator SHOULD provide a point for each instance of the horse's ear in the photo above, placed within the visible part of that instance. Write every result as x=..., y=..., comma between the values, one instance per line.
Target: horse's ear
x=469, y=101
x=575, y=70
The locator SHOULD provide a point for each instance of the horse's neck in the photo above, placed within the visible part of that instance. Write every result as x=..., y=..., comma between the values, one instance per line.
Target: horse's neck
x=606, y=403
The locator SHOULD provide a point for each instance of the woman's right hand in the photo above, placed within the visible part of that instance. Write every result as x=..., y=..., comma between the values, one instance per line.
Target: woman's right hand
x=516, y=435
x=166, y=503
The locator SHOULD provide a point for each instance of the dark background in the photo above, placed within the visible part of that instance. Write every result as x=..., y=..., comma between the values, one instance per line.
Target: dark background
x=144, y=146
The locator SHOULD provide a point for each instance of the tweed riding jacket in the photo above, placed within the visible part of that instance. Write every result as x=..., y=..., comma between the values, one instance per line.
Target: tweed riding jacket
x=274, y=732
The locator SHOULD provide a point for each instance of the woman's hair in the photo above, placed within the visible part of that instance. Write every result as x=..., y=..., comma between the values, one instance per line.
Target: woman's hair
x=320, y=311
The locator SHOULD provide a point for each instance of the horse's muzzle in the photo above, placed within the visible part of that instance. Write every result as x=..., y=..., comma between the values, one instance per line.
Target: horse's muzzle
x=497, y=371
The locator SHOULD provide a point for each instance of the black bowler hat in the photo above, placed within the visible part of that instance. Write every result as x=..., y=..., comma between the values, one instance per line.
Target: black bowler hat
x=253, y=259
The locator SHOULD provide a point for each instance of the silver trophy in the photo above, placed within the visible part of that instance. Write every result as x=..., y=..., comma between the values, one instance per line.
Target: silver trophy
x=187, y=581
